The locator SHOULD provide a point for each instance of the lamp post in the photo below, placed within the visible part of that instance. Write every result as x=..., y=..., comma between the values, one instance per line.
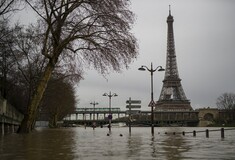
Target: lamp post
x=152, y=103
x=94, y=103
x=110, y=95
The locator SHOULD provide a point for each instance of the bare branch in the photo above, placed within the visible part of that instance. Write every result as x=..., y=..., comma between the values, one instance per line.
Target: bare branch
x=5, y=6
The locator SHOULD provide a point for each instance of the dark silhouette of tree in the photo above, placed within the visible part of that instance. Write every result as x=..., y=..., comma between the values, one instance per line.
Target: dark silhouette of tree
x=7, y=7
x=21, y=64
x=6, y=59
x=29, y=67
x=87, y=32
x=226, y=101
x=59, y=100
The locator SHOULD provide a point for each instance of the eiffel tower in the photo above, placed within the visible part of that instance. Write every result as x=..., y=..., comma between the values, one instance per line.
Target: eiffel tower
x=172, y=97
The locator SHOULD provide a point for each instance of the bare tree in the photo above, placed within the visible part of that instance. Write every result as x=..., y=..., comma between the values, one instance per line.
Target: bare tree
x=6, y=59
x=226, y=101
x=6, y=6
x=59, y=100
x=29, y=65
x=93, y=32
x=6, y=40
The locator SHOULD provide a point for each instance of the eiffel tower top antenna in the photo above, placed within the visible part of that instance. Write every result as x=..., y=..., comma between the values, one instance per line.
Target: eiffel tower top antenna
x=169, y=9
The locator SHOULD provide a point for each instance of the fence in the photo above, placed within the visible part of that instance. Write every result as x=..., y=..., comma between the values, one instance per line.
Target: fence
x=207, y=131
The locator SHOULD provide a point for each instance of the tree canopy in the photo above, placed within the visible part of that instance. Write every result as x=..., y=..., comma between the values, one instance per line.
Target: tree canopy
x=93, y=32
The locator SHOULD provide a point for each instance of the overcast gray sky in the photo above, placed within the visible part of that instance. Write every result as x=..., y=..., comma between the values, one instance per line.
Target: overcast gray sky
x=204, y=33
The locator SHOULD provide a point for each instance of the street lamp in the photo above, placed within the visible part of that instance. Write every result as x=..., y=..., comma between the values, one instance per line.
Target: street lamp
x=110, y=95
x=94, y=103
x=152, y=103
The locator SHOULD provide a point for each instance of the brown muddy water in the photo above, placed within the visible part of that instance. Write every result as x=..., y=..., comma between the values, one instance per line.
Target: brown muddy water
x=79, y=143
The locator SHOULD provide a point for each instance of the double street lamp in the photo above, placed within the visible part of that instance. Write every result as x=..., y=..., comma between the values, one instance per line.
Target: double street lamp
x=110, y=95
x=152, y=103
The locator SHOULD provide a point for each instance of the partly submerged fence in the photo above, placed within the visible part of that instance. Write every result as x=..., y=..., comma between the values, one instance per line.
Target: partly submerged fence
x=207, y=131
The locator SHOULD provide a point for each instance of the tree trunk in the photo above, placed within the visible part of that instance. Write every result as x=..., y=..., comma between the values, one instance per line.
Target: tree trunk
x=29, y=118
x=53, y=121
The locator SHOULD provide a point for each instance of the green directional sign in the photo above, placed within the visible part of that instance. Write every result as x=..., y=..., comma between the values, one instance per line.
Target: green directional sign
x=133, y=101
x=133, y=106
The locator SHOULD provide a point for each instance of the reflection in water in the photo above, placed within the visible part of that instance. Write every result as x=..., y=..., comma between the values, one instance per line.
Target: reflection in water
x=175, y=145
x=134, y=144
x=89, y=144
x=46, y=144
x=153, y=146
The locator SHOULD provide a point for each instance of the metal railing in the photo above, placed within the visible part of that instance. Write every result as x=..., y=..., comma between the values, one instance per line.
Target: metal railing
x=96, y=109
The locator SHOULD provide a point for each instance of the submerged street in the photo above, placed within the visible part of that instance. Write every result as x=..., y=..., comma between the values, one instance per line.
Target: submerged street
x=78, y=143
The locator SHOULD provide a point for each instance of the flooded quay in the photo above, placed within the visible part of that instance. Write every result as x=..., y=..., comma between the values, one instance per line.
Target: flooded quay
x=78, y=143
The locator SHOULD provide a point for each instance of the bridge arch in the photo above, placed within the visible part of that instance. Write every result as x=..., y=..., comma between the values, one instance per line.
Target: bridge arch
x=207, y=116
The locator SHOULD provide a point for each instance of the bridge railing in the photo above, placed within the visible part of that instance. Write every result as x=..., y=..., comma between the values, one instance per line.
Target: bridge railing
x=96, y=109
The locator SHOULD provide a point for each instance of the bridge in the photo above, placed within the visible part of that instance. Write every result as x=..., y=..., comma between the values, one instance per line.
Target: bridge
x=87, y=116
x=10, y=117
x=208, y=115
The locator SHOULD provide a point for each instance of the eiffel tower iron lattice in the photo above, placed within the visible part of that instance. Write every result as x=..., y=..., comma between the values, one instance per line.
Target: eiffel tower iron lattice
x=172, y=97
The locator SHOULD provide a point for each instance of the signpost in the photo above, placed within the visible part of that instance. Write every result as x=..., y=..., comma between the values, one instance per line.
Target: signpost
x=133, y=106
x=130, y=106
x=133, y=101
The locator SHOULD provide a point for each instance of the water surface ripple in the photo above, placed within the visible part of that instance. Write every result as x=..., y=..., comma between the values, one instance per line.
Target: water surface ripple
x=88, y=144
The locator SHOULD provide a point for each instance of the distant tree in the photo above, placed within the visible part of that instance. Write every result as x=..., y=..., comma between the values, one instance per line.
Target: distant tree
x=28, y=66
x=7, y=7
x=6, y=59
x=93, y=32
x=226, y=101
x=59, y=100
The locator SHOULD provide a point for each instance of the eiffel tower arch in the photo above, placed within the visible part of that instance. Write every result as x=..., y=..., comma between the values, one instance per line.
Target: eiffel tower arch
x=172, y=97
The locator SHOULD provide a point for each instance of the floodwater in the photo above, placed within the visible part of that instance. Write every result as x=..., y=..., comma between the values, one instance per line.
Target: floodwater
x=79, y=143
